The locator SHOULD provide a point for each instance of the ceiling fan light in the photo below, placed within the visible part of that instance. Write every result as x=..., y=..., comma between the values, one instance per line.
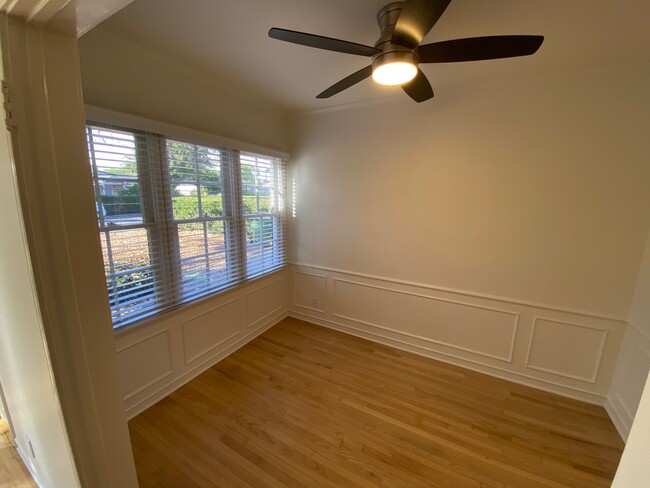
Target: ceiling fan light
x=394, y=67
x=396, y=73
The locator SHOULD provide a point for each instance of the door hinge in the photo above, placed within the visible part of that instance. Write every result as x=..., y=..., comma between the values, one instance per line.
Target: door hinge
x=6, y=103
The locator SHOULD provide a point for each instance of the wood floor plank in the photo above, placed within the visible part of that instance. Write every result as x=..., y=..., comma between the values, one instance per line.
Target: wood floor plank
x=13, y=473
x=302, y=405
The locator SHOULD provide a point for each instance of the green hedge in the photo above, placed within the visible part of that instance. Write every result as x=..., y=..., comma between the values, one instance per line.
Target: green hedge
x=185, y=207
x=121, y=204
x=250, y=204
x=188, y=207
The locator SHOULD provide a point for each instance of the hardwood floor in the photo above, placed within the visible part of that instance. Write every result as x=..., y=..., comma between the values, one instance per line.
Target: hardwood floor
x=13, y=473
x=304, y=406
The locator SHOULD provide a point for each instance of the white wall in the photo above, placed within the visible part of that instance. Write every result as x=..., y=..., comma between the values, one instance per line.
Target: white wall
x=25, y=371
x=633, y=469
x=41, y=70
x=120, y=75
x=634, y=359
x=526, y=197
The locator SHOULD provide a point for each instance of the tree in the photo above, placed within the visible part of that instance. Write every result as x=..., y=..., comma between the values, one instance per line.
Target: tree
x=185, y=160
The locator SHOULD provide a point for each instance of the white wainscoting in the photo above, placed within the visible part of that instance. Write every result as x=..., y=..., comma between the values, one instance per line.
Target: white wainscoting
x=569, y=352
x=157, y=357
x=477, y=329
x=308, y=288
x=629, y=379
x=553, y=342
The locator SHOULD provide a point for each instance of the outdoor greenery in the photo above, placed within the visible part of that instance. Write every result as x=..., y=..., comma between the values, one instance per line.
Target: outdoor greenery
x=187, y=207
x=125, y=202
x=186, y=160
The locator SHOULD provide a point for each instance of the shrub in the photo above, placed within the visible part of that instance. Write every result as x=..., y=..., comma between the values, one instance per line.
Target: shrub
x=121, y=204
x=187, y=207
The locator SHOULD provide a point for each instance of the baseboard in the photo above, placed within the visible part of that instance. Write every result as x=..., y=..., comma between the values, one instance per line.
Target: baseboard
x=27, y=461
x=620, y=419
x=515, y=377
x=186, y=377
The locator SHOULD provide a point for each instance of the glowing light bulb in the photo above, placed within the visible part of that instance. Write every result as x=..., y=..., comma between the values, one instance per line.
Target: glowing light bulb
x=396, y=73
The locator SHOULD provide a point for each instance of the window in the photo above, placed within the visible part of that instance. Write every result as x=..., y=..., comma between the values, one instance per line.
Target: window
x=178, y=220
x=261, y=201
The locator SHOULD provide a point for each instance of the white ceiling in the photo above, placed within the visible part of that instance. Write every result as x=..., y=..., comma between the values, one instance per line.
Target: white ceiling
x=228, y=40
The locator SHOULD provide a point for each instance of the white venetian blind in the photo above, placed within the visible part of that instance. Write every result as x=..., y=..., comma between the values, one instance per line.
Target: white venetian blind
x=263, y=199
x=179, y=221
x=125, y=225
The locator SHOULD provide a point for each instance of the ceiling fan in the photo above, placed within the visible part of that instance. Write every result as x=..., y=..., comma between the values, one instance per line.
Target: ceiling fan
x=397, y=52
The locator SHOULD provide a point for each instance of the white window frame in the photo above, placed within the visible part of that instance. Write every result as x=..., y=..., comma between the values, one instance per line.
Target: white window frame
x=164, y=238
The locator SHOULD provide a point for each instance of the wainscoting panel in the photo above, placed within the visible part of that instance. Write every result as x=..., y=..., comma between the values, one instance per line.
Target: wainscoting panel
x=264, y=301
x=476, y=329
x=200, y=335
x=570, y=352
x=158, y=356
x=144, y=363
x=553, y=345
x=309, y=291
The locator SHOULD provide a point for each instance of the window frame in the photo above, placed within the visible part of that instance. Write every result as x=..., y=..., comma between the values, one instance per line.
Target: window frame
x=156, y=201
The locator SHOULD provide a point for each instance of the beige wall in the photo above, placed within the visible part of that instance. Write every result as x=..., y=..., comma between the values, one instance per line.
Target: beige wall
x=123, y=76
x=634, y=359
x=531, y=188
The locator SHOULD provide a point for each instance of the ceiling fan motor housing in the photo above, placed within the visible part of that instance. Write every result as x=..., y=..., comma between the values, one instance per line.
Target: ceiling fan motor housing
x=391, y=53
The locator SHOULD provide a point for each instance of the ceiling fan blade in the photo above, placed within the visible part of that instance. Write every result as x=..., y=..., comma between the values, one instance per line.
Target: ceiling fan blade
x=419, y=88
x=346, y=83
x=416, y=20
x=479, y=48
x=320, y=42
